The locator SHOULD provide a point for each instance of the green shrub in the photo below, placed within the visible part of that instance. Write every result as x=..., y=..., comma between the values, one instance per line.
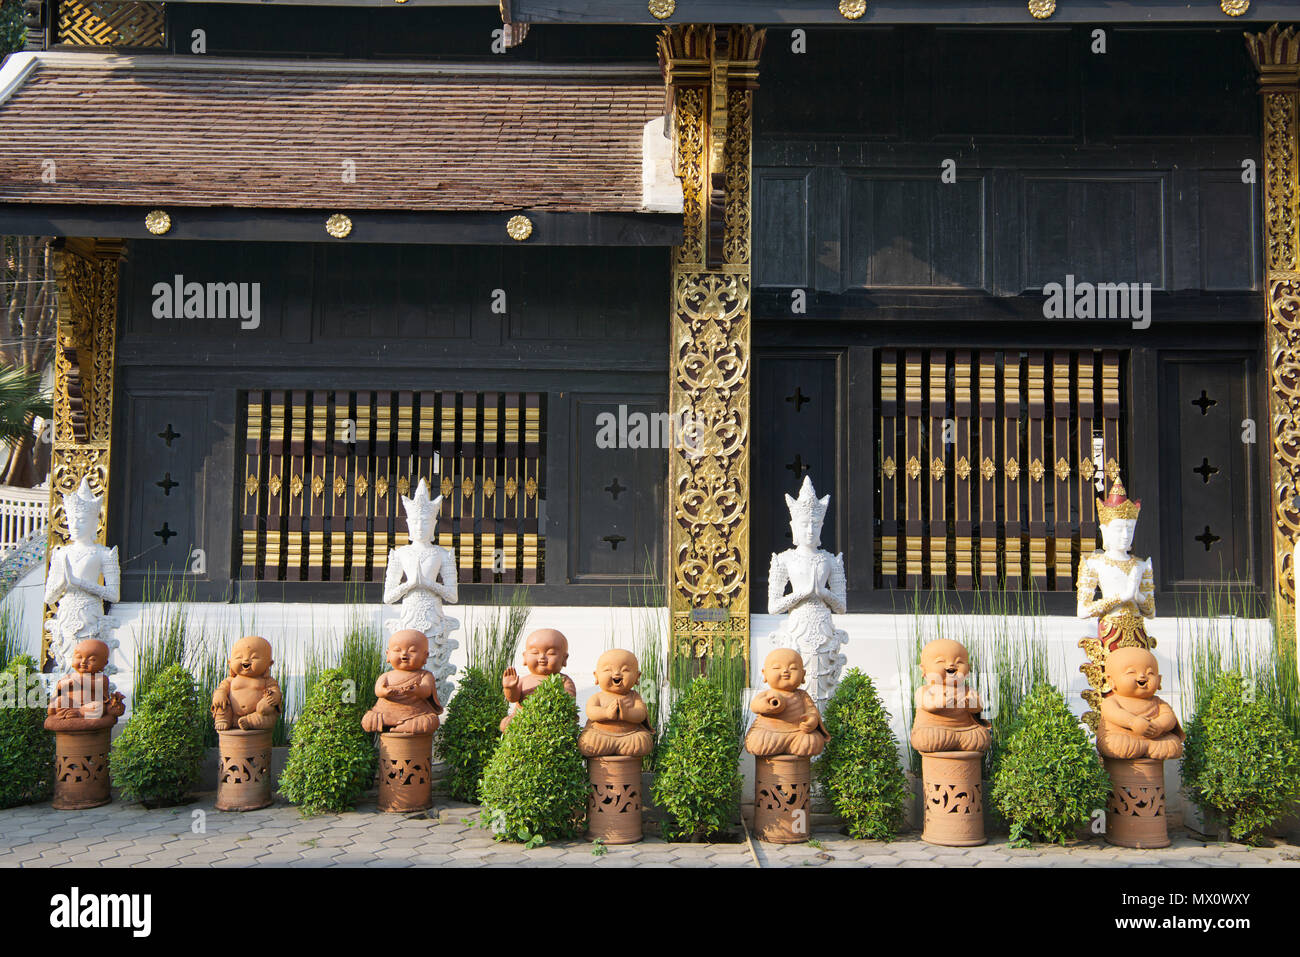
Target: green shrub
x=535, y=786
x=1050, y=780
x=332, y=761
x=1240, y=760
x=158, y=757
x=860, y=767
x=698, y=782
x=469, y=736
x=26, y=748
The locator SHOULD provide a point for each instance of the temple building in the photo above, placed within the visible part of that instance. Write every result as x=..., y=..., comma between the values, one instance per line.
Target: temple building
x=614, y=275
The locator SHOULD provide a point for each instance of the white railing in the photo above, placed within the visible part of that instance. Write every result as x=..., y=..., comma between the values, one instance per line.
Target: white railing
x=22, y=511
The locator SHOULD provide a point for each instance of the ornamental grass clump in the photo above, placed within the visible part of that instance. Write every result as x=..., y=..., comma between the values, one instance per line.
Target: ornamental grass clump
x=698, y=781
x=26, y=748
x=1240, y=759
x=471, y=732
x=1050, y=781
x=860, y=768
x=332, y=761
x=535, y=787
x=158, y=758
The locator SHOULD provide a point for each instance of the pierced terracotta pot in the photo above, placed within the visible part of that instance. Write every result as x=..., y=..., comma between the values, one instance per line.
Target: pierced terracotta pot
x=781, y=789
x=952, y=791
x=405, y=772
x=1135, y=813
x=614, y=805
x=81, y=769
x=244, y=778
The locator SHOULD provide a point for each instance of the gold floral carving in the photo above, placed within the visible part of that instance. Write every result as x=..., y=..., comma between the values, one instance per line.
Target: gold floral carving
x=445, y=487
x=489, y=487
x=1062, y=470
x=988, y=468
x=339, y=226
x=250, y=485
x=963, y=468
x=661, y=9
x=317, y=486
x=295, y=486
x=157, y=222
x=889, y=467
x=340, y=486
x=1041, y=9
x=937, y=468
x=1112, y=469
x=381, y=486
x=511, y=487
x=519, y=228
x=1087, y=468
x=467, y=487
x=530, y=487
x=362, y=485
x=913, y=468
x=711, y=72
x=403, y=485
x=1234, y=8
x=1036, y=470
x=1013, y=469
x=853, y=9
x=275, y=485
x=1276, y=55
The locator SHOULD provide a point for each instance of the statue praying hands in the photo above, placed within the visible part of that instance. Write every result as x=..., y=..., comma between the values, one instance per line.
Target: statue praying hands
x=73, y=586
x=420, y=577
x=817, y=589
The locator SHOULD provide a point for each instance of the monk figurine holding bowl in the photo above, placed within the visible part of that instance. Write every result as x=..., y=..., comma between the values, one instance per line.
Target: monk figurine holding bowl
x=408, y=695
x=546, y=652
x=250, y=699
x=617, y=720
x=947, y=711
x=1135, y=723
x=82, y=700
x=788, y=721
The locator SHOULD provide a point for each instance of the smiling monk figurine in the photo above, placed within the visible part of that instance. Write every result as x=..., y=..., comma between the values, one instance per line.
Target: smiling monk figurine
x=1134, y=722
x=546, y=651
x=788, y=721
x=408, y=695
x=617, y=720
x=250, y=699
x=947, y=711
x=82, y=700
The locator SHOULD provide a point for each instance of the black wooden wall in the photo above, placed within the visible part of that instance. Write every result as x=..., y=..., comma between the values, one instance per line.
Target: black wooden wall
x=1131, y=165
x=584, y=326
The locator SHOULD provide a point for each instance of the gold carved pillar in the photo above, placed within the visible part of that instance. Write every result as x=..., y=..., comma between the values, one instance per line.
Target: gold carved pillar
x=1276, y=54
x=85, y=338
x=711, y=73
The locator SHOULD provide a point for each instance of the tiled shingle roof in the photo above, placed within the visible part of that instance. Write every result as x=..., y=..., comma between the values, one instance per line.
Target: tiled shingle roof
x=180, y=132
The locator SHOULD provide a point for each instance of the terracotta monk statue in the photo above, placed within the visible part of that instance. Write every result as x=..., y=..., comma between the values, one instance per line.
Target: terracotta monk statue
x=1134, y=722
x=82, y=699
x=788, y=721
x=817, y=586
x=617, y=721
x=947, y=711
x=73, y=582
x=1127, y=588
x=546, y=652
x=250, y=699
x=408, y=695
x=420, y=577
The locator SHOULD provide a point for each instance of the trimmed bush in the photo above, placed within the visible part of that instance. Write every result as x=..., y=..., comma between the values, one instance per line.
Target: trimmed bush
x=1050, y=780
x=1240, y=760
x=860, y=768
x=698, y=782
x=536, y=785
x=26, y=748
x=469, y=736
x=332, y=761
x=158, y=757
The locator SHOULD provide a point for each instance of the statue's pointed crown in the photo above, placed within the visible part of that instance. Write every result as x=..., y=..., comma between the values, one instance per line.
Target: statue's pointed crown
x=420, y=504
x=808, y=503
x=1117, y=504
x=81, y=502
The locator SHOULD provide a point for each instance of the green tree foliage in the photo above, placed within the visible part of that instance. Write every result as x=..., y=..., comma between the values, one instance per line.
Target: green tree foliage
x=698, y=782
x=860, y=767
x=158, y=757
x=13, y=35
x=470, y=734
x=26, y=748
x=332, y=761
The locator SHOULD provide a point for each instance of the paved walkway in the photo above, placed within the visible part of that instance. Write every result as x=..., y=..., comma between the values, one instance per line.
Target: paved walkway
x=124, y=835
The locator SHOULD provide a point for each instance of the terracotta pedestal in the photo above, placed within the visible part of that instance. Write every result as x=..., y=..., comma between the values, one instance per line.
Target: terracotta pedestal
x=405, y=766
x=81, y=769
x=1135, y=813
x=244, y=779
x=781, y=788
x=953, y=794
x=614, y=805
